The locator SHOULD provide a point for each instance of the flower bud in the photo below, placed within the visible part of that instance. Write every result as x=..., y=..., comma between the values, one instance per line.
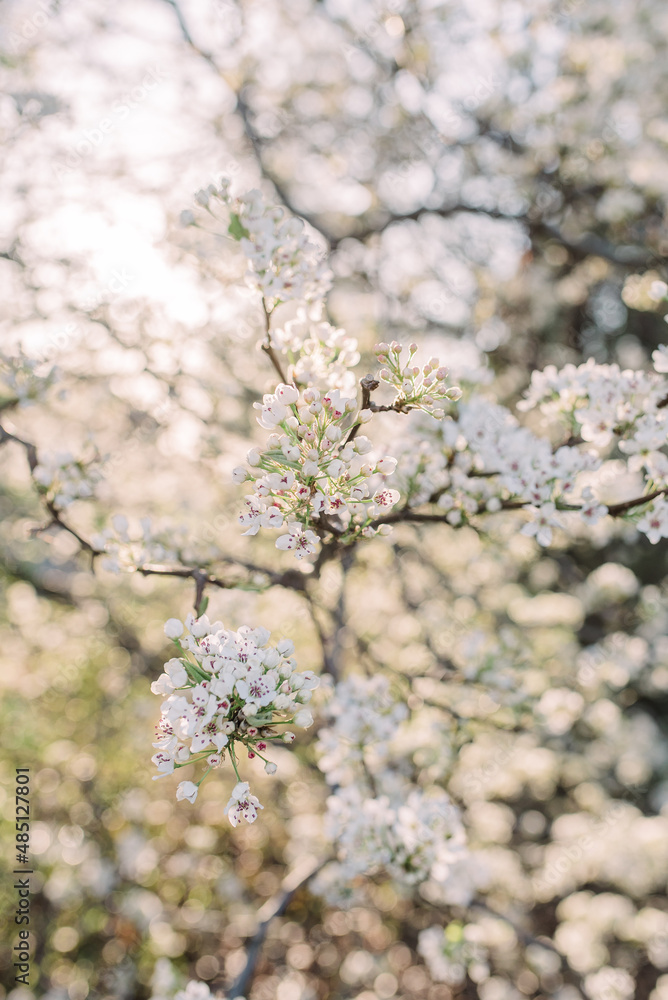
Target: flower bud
x=304, y=719
x=187, y=790
x=270, y=767
x=288, y=737
x=362, y=445
x=173, y=628
x=386, y=466
x=287, y=393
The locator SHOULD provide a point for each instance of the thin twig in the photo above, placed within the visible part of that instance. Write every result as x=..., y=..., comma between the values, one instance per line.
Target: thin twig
x=55, y=514
x=620, y=508
x=268, y=347
x=368, y=384
x=405, y=514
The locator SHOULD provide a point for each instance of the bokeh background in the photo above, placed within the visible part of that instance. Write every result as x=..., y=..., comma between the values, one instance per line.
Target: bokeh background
x=491, y=180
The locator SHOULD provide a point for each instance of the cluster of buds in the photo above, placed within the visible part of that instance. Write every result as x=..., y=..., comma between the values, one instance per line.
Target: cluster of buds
x=24, y=380
x=283, y=263
x=318, y=353
x=62, y=479
x=227, y=692
x=127, y=548
x=309, y=475
x=418, y=388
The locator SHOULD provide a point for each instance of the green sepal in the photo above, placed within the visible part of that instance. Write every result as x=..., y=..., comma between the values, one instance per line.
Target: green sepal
x=236, y=229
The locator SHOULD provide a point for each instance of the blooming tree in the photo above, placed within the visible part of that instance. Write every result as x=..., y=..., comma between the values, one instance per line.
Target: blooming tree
x=436, y=680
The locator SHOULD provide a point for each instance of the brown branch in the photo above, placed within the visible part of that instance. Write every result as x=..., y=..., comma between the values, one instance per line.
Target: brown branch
x=368, y=384
x=291, y=579
x=616, y=509
x=244, y=113
x=30, y=449
x=201, y=578
x=189, y=39
x=275, y=908
x=419, y=517
x=56, y=515
x=57, y=522
x=268, y=347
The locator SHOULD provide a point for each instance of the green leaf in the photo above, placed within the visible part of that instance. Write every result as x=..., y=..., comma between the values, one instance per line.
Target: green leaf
x=235, y=227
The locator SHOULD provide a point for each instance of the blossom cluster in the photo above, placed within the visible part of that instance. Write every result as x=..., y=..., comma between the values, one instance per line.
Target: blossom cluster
x=318, y=354
x=227, y=692
x=62, y=479
x=282, y=262
x=607, y=407
x=380, y=821
x=127, y=549
x=481, y=460
x=309, y=474
x=418, y=388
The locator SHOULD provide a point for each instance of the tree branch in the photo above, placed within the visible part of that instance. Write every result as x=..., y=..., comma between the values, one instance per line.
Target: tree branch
x=55, y=514
x=274, y=908
x=268, y=348
x=368, y=384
